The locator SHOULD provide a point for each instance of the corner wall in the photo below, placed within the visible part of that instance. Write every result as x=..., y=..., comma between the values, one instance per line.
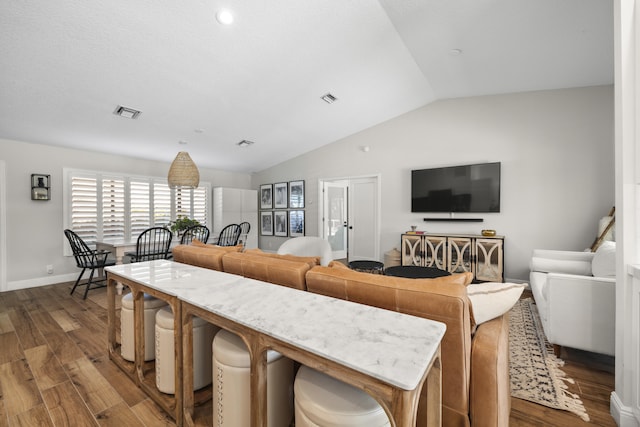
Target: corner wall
x=557, y=154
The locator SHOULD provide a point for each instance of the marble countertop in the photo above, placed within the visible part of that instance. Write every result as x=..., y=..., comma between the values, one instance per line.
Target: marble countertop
x=393, y=347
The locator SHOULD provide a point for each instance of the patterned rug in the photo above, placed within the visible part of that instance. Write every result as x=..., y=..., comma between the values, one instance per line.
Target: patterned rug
x=535, y=370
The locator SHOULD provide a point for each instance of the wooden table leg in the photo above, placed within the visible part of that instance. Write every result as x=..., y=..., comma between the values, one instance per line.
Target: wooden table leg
x=258, y=387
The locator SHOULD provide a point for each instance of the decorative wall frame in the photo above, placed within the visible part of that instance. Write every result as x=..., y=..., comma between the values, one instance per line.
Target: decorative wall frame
x=280, y=195
x=40, y=187
x=280, y=222
x=296, y=223
x=266, y=223
x=266, y=196
x=296, y=194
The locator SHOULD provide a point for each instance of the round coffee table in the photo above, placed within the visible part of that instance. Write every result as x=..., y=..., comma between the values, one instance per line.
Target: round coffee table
x=375, y=267
x=415, y=272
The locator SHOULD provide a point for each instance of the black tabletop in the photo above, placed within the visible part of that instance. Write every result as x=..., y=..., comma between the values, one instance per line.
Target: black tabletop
x=415, y=272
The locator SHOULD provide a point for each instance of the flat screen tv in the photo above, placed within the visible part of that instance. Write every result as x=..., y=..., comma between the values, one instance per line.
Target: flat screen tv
x=467, y=188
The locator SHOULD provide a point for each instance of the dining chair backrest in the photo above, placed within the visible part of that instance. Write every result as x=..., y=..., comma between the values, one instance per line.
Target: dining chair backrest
x=200, y=232
x=229, y=235
x=244, y=232
x=153, y=243
x=83, y=255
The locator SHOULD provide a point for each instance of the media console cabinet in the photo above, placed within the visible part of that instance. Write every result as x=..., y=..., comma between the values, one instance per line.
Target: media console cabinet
x=457, y=253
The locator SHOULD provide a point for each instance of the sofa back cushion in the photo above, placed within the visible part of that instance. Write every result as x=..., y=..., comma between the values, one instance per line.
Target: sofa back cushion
x=268, y=268
x=443, y=299
x=604, y=260
x=206, y=256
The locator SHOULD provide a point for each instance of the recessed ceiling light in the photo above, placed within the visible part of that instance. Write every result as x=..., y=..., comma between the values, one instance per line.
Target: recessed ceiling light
x=224, y=17
x=328, y=98
x=456, y=52
x=126, y=112
x=244, y=143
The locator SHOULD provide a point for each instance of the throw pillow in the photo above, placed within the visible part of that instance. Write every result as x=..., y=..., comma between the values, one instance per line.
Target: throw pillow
x=604, y=260
x=492, y=299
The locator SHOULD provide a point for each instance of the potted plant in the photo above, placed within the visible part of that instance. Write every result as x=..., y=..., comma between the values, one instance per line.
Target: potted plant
x=180, y=224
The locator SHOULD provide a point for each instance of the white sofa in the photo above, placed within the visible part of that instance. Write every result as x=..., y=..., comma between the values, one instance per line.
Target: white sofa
x=575, y=296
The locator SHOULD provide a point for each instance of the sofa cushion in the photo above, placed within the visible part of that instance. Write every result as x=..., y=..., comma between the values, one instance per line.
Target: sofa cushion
x=492, y=299
x=311, y=260
x=273, y=269
x=604, y=260
x=566, y=266
x=206, y=256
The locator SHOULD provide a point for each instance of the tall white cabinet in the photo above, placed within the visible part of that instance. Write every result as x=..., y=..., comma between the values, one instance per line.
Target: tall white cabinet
x=233, y=206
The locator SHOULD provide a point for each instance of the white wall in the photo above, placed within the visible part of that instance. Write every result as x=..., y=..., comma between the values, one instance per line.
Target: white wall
x=34, y=232
x=557, y=154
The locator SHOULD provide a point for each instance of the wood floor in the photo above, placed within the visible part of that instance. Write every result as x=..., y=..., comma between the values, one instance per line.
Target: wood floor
x=54, y=370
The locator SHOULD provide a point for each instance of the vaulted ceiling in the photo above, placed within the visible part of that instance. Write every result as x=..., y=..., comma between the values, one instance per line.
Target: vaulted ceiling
x=67, y=65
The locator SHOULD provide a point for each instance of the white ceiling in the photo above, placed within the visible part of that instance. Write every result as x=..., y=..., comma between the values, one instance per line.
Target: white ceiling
x=66, y=65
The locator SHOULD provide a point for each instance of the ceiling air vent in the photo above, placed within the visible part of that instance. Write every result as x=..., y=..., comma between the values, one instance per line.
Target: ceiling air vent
x=126, y=112
x=244, y=143
x=328, y=98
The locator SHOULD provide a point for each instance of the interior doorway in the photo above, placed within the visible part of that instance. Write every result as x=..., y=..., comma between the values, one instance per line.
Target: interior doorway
x=350, y=216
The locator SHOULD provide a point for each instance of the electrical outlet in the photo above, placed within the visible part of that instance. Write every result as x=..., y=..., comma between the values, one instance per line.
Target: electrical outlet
x=49, y=269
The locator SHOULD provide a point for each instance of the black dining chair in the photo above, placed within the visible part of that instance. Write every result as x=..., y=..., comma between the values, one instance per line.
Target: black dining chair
x=87, y=258
x=153, y=243
x=229, y=235
x=200, y=232
x=244, y=232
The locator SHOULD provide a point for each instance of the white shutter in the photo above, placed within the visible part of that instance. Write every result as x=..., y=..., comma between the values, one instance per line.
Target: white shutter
x=161, y=204
x=84, y=210
x=140, y=215
x=200, y=203
x=113, y=208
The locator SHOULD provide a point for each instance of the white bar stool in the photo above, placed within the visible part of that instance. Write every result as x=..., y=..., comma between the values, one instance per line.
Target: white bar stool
x=231, y=393
x=151, y=306
x=203, y=333
x=323, y=401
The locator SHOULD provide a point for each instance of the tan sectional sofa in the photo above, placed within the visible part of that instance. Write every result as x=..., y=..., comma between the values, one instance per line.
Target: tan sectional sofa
x=475, y=358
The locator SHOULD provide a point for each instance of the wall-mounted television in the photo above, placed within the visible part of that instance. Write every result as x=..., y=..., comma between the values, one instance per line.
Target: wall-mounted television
x=467, y=188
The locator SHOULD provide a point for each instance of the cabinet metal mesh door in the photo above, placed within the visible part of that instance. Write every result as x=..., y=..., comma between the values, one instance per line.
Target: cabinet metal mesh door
x=489, y=260
x=460, y=255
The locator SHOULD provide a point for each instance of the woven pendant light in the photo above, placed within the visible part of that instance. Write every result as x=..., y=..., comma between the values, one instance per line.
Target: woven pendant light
x=183, y=172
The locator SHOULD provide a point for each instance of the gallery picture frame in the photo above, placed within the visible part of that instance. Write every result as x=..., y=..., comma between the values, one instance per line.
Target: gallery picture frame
x=280, y=222
x=266, y=223
x=296, y=194
x=296, y=223
x=266, y=196
x=280, y=195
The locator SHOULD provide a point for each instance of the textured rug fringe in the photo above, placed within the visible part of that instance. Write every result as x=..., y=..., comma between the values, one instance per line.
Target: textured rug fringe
x=571, y=401
x=531, y=354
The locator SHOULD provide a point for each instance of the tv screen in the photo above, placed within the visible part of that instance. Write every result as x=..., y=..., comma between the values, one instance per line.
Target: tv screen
x=467, y=188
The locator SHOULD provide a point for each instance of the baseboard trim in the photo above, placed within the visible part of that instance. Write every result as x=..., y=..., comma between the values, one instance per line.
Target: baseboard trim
x=40, y=281
x=623, y=415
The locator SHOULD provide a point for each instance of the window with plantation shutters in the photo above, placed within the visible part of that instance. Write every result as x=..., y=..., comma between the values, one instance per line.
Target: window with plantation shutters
x=101, y=206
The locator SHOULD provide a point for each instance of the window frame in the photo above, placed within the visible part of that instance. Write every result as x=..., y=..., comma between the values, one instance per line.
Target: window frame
x=193, y=199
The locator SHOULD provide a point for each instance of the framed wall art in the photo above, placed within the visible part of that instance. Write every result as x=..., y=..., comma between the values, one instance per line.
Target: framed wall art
x=296, y=223
x=296, y=194
x=266, y=196
x=280, y=221
x=266, y=223
x=40, y=187
x=280, y=195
